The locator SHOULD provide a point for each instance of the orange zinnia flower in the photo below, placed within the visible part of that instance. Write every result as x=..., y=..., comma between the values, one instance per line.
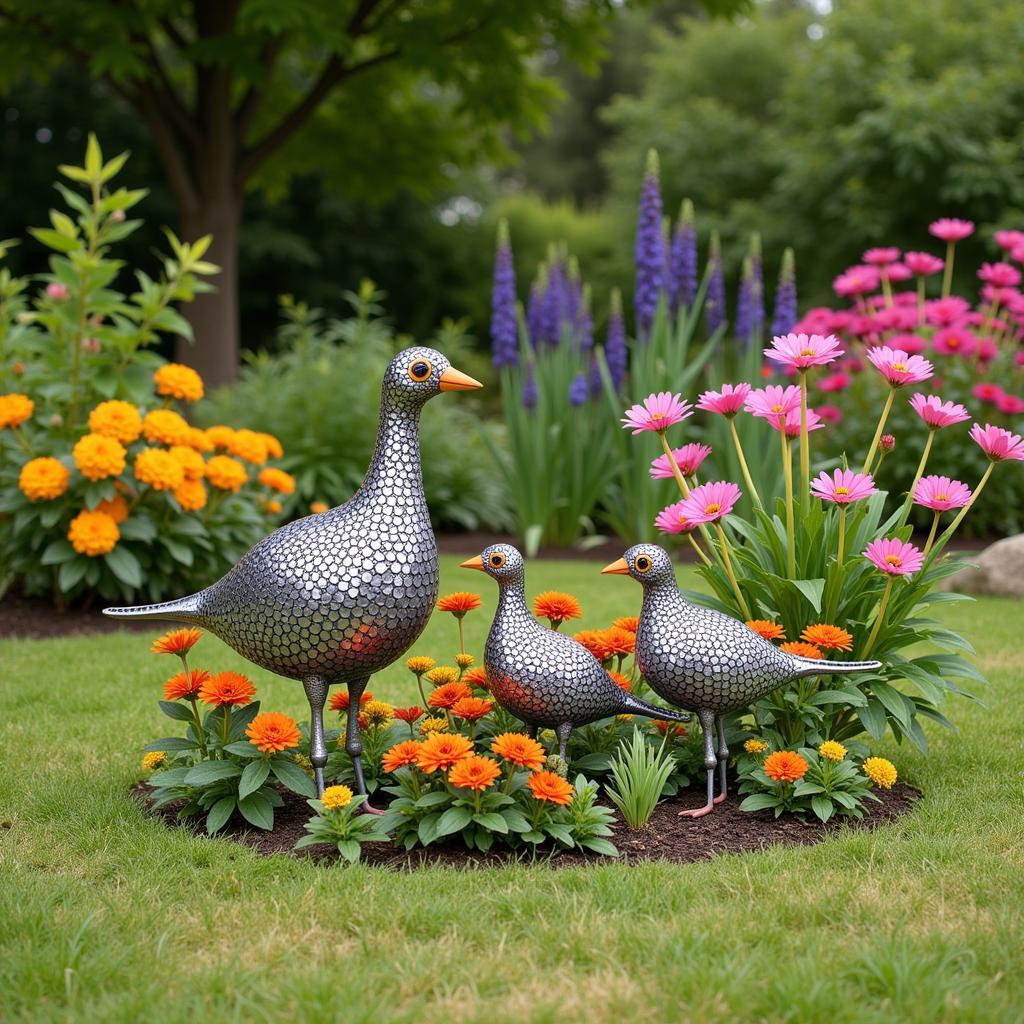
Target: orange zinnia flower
x=669, y=728
x=594, y=641
x=472, y=709
x=803, y=650
x=227, y=688
x=766, y=628
x=477, y=677
x=520, y=750
x=785, y=766
x=401, y=755
x=339, y=702
x=550, y=787
x=621, y=681
x=830, y=637
x=448, y=695
x=619, y=641
x=630, y=623
x=177, y=642
x=474, y=772
x=273, y=732
x=185, y=685
x=410, y=714
x=439, y=751
x=459, y=603
x=555, y=606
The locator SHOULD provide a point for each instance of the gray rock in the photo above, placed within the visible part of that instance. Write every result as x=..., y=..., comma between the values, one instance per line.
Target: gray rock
x=997, y=571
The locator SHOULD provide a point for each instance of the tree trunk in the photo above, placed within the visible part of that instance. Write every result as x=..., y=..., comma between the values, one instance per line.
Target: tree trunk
x=214, y=315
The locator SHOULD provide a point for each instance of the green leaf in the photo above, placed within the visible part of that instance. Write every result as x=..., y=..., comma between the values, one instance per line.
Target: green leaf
x=455, y=819
x=172, y=709
x=822, y=807
x=349, y=849
x=434, y=798
x=208, y=772
x=57, y=551
x=492, y=821
x=293, y=777
x=872, y=717
x=138, y=528
x=759, y=801
x=852, y=697
x=243, y=748
x=171, y=743
x=219, y=814
x=812, y=590
x=601, y=846
x=257, y=810
x=170, y=777
x=253, y=777
x=124, y=565
x=70, y=573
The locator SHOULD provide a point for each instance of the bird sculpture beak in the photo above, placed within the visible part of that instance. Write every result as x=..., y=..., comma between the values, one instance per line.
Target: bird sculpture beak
x=456, y=380
x=472, y=563
x=619, y=568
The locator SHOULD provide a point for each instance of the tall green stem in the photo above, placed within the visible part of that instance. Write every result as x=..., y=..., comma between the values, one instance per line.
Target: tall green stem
x=727, y=561
x=917, y=476
x=878, y=430
x=878, y=618
x=951, y=529
x=920, y=300
x=947, y=274
x=744, y=468
x=931, y=533
x=842, y=535
x=787, y=472
x=805, y=452
x=676, y=471
x=696, y=547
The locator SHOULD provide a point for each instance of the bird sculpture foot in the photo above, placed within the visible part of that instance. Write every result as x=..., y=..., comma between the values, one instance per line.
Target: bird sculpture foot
x=698, y=812
x=720, y=799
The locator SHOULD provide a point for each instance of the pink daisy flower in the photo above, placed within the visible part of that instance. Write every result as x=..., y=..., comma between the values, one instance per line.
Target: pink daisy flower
x=857, y=281
x=688, y=459
x=1001, y=275
x=658, y=413
x=940, y=494
x=802, y=351
x=913, y=344
x=894, y=556
x=899, y=367
x=894, y=273
x=843, y=486
x=879, y=257
x=773, y=402
x=951, y=229
x=945, y=312
x=792, y=424
x=710, y=502
x=673, y=520
x=830, y=413
x=937, y=413
x=987, y=350
x=726, y=402
x=1010, y=405
x=998, y=444
x=837, y=381
x=955, y=341
x=987, y=392
x=1009, y=240
x=924, y=264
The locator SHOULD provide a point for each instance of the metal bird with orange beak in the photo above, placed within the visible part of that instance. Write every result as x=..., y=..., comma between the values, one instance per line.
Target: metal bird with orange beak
x=335, y=597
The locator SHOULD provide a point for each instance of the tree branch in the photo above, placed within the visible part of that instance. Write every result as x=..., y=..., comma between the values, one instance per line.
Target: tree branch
x=256, y=94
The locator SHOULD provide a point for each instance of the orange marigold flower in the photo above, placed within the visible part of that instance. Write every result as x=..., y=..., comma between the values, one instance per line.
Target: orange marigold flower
x=191, y=461
x=160, y=469
x=477, y=677
x=459, y=603
x=175, y=380
x=197, y=439
x=273, y=732
x=802, y=650
x=164, y=426
x=274, y=449
x=520, y=749
x=93, y=533
x=272, y=507
x=116, y=419
x=409, y=714
x=830, y=637
x=766, y=628
x=15, y=409
x=190, y=495
x=439, y=751
x=115, y=507
x=185, y=685
x=43, y=479
x=474, y=772
x=785, y=766
x=178, y=641
x=220, y=437
x=472, y=709
x=339, y=702
x=669, y=728
x=401, y=755
x=277, y=480
x=556, y=606
x=620, y=641
x=226, y=473
x=594, y=641
x=621, y=681
x=227, y=688
x=248, y=445
x=550, y=787
x=318, y=508
x=630, y=623
x=448, y=695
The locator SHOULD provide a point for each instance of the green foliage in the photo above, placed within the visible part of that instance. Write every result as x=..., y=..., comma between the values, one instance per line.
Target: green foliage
x=640, y=772
x=589, y=823
x=343, y=827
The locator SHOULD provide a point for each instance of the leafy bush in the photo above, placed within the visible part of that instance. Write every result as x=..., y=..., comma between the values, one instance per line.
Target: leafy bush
x=101, y=481
x=640, y=773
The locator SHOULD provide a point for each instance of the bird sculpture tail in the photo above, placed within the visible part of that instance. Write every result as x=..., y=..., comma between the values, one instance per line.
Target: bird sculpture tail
x=635, y=706
x=815, y=667
x=185, y=609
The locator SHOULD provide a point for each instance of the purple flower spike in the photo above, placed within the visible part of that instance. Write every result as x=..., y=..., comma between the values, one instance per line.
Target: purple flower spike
x=578, y=389
x=594, y=381
x=650, y=250
x=553, y=308
x=750, y=304
x=583, y=325
x=504, y=326
x=785, y=315
x=615, y=343
x=682, y=280
x=714, y=301
x=535, y=310
x=530, y=388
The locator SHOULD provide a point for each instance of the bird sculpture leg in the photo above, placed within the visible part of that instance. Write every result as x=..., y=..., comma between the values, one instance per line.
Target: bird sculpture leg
x=562, y=732
x=723, y=761
x=531, y=730
x=353, y=739
x=316, y=694
x=707, y=724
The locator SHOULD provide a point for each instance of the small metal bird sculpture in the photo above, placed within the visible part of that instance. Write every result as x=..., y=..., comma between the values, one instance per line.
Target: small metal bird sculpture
x=335, y=597
x=541, y=676
x=704, y=661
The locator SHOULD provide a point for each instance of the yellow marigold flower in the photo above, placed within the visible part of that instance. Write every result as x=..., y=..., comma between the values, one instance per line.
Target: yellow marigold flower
x=197, y=439
x=431, y=725
x=880, y=771
x=442, y=675
x=277, y=480
x=248, y=445
x=15, y=409
x=153, y=760
x=755, y=746
x=226, y=473
x=336, y=797
x=43, y=479
x=274, y=449
x=116, y=419
x=191, y=461
x=419, y=664
x=98, y=457
x=832, y=751
x=93, y=533
x=273, y=507
x=318, y=507
x=115, y=507
x=220, y=436
x=178, y=381
x=165, y=426
x=190, y=495
x=378, y=712
x=464, y=660
x=160, y=469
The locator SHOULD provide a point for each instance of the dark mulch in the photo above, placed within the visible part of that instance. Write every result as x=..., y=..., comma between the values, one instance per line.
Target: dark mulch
x=666, y=837
x=36, y=618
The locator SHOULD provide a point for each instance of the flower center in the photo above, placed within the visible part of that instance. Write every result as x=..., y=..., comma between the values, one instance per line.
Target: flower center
x=657, y=415
x=942, y=497
x=894, y=560
x=713, y=508
x=952, y=342
x=777, y=408
x=842, y=490
x=807, y=352
x=902, y=367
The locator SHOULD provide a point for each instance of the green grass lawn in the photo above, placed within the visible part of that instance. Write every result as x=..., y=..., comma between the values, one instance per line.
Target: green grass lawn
x=107, y=915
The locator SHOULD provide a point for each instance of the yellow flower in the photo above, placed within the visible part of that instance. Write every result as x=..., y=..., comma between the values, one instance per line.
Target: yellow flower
x=274, y=449
x=464, y=660
x=197, y=439
x=115, y=507
x=116, y=419
x=226, y=473
x=277, y=480
x=880, y=771
x=419, y=664
x=220, y=436
x=191, y=461
x=248, y=445
x=431, y=725
x=98, y=457
x=93, y=533
x=178, y=381
x=319, y=507
x=43, y=479
x=160, y=469
x=15, y=409
x=832, y=751
x=153, y=760
x=378, y=712
x=442, y=675
x=754, y=746
x=190, y=495
x=336, y=797
x=165, y=426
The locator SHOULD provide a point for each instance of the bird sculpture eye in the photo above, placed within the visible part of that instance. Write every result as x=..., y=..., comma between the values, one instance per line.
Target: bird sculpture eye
x=420, y=370
x=642, y=564
x=497, y=560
